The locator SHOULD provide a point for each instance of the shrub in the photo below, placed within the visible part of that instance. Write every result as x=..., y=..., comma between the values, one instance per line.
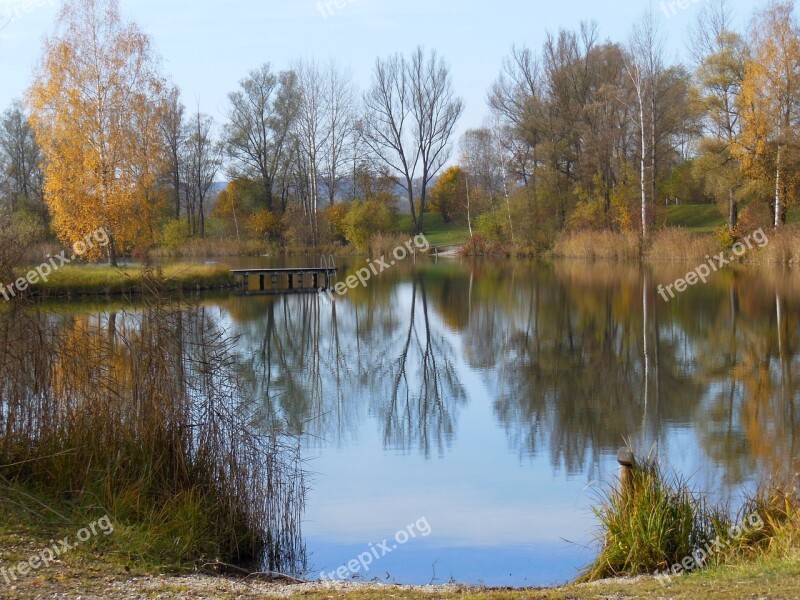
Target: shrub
x=264, y=225
x=174, y=233
x=366, y=219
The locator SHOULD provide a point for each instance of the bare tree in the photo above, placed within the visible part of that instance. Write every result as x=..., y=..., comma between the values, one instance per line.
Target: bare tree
x=202, y=160
x=172, y=128
x=411, y=113
x=341, y=127
x=261, y=117
x=311, y=136
x=20, y=155
x=515, y=100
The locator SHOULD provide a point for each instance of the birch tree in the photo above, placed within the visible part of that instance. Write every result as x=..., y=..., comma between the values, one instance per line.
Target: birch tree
x=95, y=103
x=770, y=103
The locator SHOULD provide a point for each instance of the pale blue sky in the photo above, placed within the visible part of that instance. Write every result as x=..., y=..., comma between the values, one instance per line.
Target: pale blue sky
x=208, y=46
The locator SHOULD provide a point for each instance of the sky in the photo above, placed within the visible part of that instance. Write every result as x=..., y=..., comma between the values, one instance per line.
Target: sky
x=208, y=46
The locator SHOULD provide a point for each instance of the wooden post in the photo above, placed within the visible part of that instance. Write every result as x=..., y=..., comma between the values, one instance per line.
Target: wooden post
x=316, y=280
x=626, y=465
x=261, y=282
x=246, y=282
x=291, y=281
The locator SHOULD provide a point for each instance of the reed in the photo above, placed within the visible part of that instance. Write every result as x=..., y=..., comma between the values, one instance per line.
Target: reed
x=144, y=415
x=592, y=245
x=678, y=244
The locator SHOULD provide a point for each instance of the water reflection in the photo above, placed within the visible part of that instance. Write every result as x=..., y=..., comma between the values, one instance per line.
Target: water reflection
x=486, y=396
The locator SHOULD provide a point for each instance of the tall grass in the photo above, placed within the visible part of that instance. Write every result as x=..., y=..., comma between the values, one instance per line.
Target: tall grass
x=144, y=415
x=652, y=524
x=214, y=248
x=597, y=245
x=783, y=247
x=679, y=244
x=658, y=520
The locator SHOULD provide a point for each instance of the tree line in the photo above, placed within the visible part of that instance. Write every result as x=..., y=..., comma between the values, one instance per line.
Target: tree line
x=583, y=134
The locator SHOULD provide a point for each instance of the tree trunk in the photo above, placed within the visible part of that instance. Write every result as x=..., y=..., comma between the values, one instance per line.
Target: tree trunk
x=778, y=189
x=733, y=211
x=112, y=251
x=411, y=205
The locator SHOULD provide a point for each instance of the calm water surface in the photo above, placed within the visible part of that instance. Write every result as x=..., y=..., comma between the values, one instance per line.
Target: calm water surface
x=489, y=399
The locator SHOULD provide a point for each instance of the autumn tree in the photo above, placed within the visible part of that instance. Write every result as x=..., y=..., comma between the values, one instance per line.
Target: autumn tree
x=770, y=105
x=449, y=194
x=720, y=55
x=237, y=203
x=95, y=104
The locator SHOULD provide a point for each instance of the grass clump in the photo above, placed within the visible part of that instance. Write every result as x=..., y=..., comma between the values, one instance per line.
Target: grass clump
x=653, y=523
x=656, y=522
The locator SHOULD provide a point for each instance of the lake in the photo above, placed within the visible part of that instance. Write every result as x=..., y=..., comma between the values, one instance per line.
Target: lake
x=458, y=419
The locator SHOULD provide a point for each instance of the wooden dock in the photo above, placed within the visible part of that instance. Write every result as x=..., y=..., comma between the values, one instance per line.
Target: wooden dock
x=286, y=280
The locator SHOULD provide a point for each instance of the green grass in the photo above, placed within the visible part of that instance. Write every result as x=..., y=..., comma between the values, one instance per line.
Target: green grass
x=104, y=280
x=436, y=230
x=701, y=218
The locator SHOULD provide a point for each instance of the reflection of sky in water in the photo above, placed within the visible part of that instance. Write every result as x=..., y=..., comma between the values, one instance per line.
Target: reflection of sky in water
x=508, y=501
x=494, y=519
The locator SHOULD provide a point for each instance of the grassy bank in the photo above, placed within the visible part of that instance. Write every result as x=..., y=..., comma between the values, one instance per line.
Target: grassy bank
x=658, y=520
x=110, y=567
x=91, y=280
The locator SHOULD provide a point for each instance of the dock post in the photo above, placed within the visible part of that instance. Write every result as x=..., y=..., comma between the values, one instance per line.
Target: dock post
x=316, y=280
x=291, y=281
x=246, y=279
x=261, y=283
x=626, y=462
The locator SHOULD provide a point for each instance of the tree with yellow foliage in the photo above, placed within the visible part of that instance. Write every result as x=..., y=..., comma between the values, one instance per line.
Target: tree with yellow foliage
x=449, y=195
x=95, y=106
x=770, y=105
